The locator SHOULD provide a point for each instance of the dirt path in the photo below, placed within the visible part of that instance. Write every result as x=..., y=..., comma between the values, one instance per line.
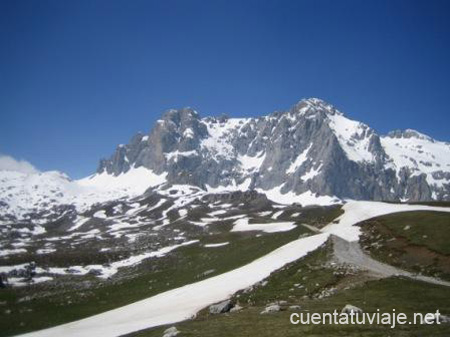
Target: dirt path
x=351, y=253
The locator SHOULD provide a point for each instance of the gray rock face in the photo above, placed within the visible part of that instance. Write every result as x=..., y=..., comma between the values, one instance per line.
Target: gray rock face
x=310, y=148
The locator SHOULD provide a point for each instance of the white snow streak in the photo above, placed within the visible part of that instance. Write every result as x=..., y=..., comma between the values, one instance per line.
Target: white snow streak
x=302, y=157
x=243, y=225
x=357, y=211
x=184, y=302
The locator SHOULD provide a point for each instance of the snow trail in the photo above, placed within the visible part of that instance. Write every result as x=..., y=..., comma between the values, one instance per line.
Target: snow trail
x=182, y=303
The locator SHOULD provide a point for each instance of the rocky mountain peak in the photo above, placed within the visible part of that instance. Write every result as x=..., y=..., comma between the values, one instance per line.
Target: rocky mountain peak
x=311, y=149
x=179, y=115
x=311, y=106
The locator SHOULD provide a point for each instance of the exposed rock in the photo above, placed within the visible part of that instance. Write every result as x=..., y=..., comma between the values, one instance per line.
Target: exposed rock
x=294, y=307
x=236, y=308
x=270, y=309
x=171, y=332
x=221, y=307
x=351, y=308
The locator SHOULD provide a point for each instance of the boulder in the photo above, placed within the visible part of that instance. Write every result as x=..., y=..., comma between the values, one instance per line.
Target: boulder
x=294, y=307
x=171, y=332
x=271, y=308
x=221, y=307
x=351, y=308
x=236, y=308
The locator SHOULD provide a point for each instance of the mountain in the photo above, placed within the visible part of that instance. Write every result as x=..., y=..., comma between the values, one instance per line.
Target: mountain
x=43, y=195
x=310, y=154
x=202, y=208
x=312, y=150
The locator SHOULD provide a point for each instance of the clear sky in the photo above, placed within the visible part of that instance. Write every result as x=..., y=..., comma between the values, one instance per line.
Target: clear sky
x=79, y=77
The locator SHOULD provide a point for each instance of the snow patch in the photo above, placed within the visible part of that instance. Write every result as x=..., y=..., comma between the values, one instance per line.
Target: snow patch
x=311, y=173
x=174, y=155
x=306, y=198
x=354, y=137
x=214, y=245
x=243, y=225
x=302, y=158
x=252, y=163
x=220, y=134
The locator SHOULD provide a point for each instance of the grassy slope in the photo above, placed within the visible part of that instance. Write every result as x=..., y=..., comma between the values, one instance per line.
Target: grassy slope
x=415, y=241
x=183, y=266
x=315, y=275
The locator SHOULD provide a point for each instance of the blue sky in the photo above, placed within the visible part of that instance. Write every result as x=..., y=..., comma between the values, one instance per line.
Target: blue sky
x=79, y=77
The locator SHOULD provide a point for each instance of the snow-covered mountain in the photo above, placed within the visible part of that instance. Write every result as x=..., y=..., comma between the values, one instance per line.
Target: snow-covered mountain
x=309, y=151
x=309, y=154
x=48, y=194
